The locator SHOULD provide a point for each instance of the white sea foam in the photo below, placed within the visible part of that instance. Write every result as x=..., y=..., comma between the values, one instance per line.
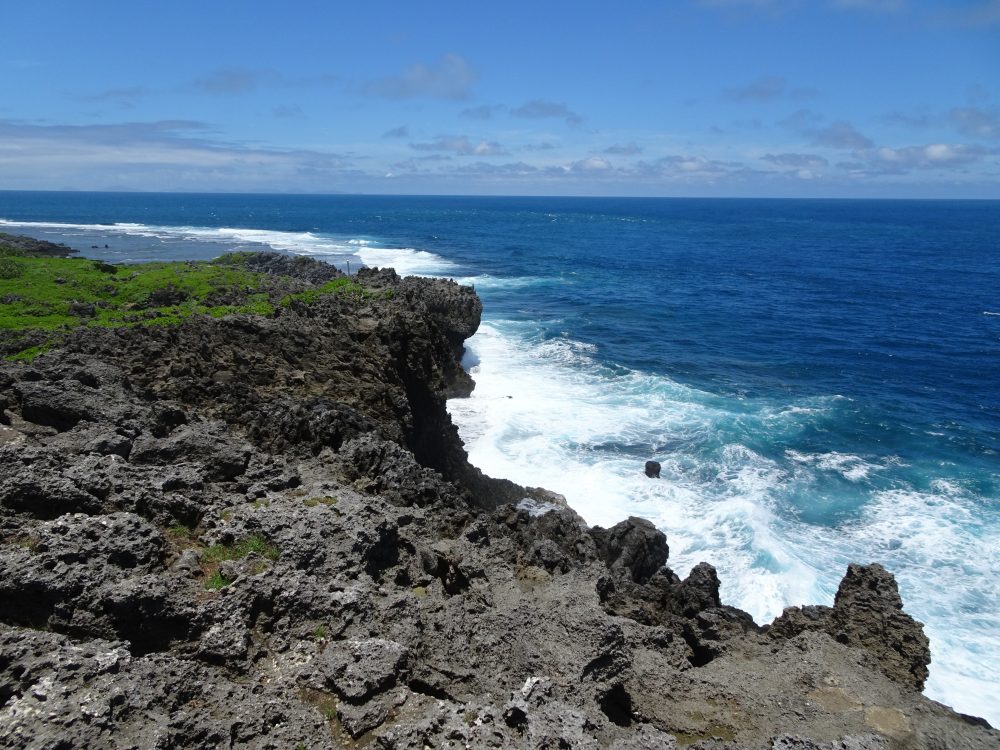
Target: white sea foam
x=544, y=413
x=544, y=416
x=406, y=260
x=486, y=281
x=853, y=468
x=944, y=548
x=339, y=251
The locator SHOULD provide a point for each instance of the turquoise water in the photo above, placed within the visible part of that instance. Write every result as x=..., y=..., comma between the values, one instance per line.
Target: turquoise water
x=819, y=379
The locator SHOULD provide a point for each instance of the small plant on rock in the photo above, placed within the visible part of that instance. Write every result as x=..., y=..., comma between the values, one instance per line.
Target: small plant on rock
x=217, y=581
x=240, y=549
x=180, y=531
x=312, y=502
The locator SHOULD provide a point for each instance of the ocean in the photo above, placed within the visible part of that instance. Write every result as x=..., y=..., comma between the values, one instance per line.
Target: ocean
x=820, y=380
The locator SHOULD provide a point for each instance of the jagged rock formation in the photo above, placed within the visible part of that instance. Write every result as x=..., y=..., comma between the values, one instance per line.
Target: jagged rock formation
x=36, y=247
x=263, y=532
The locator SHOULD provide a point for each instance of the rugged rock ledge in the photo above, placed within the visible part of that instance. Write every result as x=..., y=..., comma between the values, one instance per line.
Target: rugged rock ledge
x=262, y=531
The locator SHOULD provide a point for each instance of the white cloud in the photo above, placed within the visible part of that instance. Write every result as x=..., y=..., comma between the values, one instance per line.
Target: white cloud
x=166, y=154
x=539, y=108
x=449, y=78
x=461, y=145
x=842, y=135
x=628, y=149
x=401, y=132
x=590, y=164
x=978, y=123
x=931, y=156
x=760, y=90
x=879, y=6
x=801, y=161
x=482, y=112
x=232, y=81
x=978, y=14
x=769, y=88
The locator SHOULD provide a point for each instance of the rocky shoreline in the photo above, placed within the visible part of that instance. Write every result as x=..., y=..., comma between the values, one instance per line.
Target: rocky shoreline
x=262, y=531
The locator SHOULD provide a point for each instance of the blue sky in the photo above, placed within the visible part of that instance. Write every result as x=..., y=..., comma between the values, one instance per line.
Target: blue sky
x=841, y=98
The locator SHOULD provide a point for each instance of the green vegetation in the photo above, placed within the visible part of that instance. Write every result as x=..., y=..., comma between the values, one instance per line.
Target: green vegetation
x=9, y=269
x=56, y=293
x=217, y=553
x=180, y=531
x=345, y=286
x=238, y=550
x=26, y=355
x=42, y=298
x=29, y=543
x=217, y=581
x=325, y=702
x=312, y=502
x=320, y=632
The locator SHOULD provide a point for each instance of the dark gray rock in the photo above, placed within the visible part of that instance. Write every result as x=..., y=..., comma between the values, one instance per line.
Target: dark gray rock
x=34, y=247
x=356, y=670
x=372, y=587
x=868, y=614
x=210, y=445
x=634, y=545
x=43, y=579
x=61, y=404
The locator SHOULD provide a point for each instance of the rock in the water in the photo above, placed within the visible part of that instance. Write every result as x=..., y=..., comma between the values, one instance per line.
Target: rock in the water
x=653, y=469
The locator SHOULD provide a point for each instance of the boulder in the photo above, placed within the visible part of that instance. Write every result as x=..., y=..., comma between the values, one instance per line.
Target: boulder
x=634, y=545
x=867, y=614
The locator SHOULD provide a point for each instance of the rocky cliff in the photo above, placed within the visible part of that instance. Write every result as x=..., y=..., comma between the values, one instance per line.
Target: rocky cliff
x=261, y=530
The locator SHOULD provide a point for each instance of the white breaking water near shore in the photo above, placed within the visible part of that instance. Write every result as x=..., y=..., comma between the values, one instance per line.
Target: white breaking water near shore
x=545, y=413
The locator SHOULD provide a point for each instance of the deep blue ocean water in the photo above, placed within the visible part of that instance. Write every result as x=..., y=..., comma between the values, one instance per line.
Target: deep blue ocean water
x=819, y=379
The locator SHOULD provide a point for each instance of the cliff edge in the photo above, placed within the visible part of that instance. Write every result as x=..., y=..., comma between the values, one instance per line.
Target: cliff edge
x=234, y=512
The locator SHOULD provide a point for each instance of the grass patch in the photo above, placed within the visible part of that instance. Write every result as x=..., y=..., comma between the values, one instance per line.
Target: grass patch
x=55, y=295
x=46, y=291
x=29, y=543
x=180, y=531
x=312, y=502
x=238, y=550
x=59, y=294
x=29, y=354
x=325, y=702
x=217, y=581
x=320, y=632
x=345, y=286
x=9, y=269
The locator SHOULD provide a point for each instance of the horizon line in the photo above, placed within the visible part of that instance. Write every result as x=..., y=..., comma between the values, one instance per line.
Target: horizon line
x=499, y=195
